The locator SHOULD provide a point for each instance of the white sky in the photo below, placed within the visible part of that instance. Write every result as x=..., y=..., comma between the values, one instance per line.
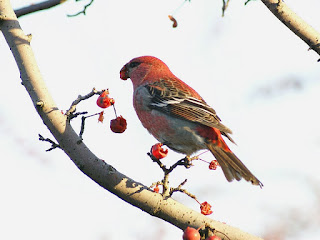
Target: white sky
x=242, y=65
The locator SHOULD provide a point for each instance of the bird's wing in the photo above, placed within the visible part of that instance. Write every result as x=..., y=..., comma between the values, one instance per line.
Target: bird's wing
x=176, y=98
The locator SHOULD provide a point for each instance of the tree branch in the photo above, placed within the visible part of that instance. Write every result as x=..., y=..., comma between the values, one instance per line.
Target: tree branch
x=224, y=6
x=38, y=7
x=97, y=169
x=80, y=98
x=296, y=24
x=84, y=11
x=53, y=144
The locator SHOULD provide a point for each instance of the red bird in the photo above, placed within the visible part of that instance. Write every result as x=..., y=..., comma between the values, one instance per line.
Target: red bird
x=177, y=116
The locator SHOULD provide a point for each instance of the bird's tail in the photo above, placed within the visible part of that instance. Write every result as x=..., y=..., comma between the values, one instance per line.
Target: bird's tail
x=231, y=165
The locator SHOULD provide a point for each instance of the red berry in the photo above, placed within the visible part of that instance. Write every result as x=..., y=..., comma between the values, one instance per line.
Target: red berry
x=158, y=152
x=104, y=101
x=214, y=237
x=156, y=189
x=213, y=165
x=191, y=234
x=118, y=125
x=205, y=208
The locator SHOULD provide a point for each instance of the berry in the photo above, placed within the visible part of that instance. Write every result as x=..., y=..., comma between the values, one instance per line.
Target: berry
x=174, y=21
x=213, y=165
x=104, y=101
x=213, y=237
x=118, y=125
x=158, y=152
x=101, y=117
x=191, y=234
x=205, y=208
x=156, y=189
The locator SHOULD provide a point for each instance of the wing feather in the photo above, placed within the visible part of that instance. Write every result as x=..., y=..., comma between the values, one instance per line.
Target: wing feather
x=167, y=96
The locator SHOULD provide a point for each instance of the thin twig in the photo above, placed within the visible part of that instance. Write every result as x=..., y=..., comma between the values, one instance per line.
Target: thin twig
x=177, y=189
x=185, y=192
x=155, y=184
x=80, y=98
x=83, y=11
x=222, y=233
x=74, y=115
x=53, y=144
x=224, y=6
x=182, y=162
x=83, y=119
x=247, y=2
x=114, y=109
x=165, y=181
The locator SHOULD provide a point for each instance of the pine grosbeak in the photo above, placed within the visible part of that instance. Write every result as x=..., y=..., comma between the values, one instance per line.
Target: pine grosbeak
x=177, y=116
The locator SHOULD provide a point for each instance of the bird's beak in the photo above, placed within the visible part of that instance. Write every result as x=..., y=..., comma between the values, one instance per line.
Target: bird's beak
x=124, y=75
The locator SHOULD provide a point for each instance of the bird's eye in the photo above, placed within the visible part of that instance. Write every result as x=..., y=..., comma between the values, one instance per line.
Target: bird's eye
x=134, y=64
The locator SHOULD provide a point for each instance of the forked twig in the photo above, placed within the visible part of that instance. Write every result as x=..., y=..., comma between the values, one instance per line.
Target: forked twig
x=80, y=98
x=83, y=11
x=53, y=144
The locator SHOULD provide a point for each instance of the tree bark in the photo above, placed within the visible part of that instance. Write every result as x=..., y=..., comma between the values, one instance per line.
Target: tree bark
x=38, y=7
x=97, y=169
x=295, y=23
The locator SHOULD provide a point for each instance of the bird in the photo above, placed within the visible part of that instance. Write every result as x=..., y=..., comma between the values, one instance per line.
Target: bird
x=178, y=117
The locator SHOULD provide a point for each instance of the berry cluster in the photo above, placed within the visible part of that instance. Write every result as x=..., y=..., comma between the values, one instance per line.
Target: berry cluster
x=117, y=125
x=193, y=234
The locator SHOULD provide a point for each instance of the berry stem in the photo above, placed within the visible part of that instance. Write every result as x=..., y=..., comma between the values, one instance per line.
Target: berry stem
x=114, y=109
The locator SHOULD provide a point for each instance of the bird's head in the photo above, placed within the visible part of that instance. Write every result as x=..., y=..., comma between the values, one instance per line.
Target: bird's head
x=145, y=68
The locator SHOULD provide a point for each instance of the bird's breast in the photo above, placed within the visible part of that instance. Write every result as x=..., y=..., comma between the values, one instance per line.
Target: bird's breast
x=177, y=134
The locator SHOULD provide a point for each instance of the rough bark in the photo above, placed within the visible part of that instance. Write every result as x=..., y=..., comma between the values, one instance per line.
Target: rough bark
x=38, y=7
x=295, y=23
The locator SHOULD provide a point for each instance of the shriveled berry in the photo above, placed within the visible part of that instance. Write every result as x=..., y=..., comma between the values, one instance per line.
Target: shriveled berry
x=213, y=165
x=101, y=117
x=174, y=21
x=118, y=125
x=205, y=208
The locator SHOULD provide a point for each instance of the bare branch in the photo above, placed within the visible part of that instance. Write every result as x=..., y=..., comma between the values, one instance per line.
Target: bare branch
x=179, y=189
x=83, y=11
x=38, y=7
x=74, y=115
x=83, y=120
x=53, y=144
x=80, y=98
x=296, y=24
x=165, y=182
x=225, y=5
x=247, y=2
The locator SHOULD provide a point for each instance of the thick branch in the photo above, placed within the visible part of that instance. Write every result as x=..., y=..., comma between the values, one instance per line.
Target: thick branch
x=38, y=7
x=98, y=170
x=296, y=24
